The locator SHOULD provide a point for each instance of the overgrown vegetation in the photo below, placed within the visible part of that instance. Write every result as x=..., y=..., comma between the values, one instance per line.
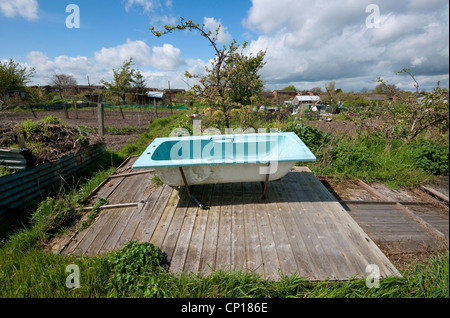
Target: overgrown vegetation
x=140, y=270
x=48, y=138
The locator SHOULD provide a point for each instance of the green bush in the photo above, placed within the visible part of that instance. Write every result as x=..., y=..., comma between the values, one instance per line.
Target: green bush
x=311, y=136
x=357, y=156
x=53, y=120
x=137, y=268
x=431, y=157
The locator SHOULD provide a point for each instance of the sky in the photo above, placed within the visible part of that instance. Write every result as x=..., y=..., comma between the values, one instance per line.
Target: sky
x=308, y=43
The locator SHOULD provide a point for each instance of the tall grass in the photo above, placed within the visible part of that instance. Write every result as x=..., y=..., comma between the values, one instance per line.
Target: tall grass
x=160, y=127
x=374, y=159
x=138, y=271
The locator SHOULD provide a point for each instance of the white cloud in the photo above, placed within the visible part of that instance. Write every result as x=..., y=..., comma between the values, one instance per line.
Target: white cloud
x=318, y=41
x=147, y=5
x=166, y=59
x=212, y=24
x=25, y=8
x=115, y=56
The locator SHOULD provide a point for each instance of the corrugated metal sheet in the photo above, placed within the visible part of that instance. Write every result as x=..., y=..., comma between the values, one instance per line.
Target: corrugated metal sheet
x=12, y=159
x=19, y=188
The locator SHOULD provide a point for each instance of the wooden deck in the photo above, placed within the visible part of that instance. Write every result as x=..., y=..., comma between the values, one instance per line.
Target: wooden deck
x=300, y=228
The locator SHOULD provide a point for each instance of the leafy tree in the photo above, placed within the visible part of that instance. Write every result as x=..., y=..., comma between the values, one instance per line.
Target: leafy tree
x=408, y=117
x=290, y=88
x=139, y=86
x=233, y=78
x=121, y=83
x=12, y=77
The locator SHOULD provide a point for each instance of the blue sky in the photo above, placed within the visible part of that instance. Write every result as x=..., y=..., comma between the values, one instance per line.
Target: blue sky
x=308, y=43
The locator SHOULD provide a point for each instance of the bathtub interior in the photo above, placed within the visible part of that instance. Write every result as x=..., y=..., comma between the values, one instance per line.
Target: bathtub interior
x=219, y=148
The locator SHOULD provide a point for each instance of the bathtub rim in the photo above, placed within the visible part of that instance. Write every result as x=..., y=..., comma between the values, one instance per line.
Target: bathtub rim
x=144, y=161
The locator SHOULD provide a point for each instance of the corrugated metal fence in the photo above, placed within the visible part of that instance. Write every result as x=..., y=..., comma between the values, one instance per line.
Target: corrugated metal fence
x=29, y=184
x=16, y=159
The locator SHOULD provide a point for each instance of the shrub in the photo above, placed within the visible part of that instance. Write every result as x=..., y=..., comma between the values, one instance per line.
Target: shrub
x=431, y=157
x=53, y=120
x=311, y=136
x=356, y=156
x=137, y=267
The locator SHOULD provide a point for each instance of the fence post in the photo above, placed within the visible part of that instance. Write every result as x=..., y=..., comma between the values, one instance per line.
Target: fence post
x=101, y=118
x=76, y=108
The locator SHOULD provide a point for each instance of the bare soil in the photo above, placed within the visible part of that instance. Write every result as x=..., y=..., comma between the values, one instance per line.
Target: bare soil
x=338, y=127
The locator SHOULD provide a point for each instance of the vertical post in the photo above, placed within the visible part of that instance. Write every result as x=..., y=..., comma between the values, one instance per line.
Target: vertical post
x=31, y=108
x=76, y=109
x=101, y=118
x=170, y=94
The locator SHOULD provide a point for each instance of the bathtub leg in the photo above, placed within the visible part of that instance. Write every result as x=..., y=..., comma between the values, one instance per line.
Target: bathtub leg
x=264, y=185
x=189, y=190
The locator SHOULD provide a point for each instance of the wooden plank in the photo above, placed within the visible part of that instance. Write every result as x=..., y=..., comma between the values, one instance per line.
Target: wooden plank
x=310, y=224
x=111, y=242
x=130, y=227
x=223, y=255
x=307, y=238
x=103, y=218
x=208, y=258
x=254, y=261
x=268, y=247
x=112, y=206
x=170, y=240
x=145, y=213
x=380, y=219
x=71, y=247
x=184, y=237
x=152, y=211
x=140, y=190
x=364, y=246
x=436, y=193
x=337, y=251
x=427, y=226
x=131, y=173
x=237, y=229
x=351, y=232
x=128, y=189
x=158, y=235
x=113, y=218
x=194, y=253
x=108, y=188
x=371, y=190
x=402, y=236
x=282, y=243
x=300, y=252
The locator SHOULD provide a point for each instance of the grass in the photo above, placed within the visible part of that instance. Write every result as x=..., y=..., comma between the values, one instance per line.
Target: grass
x=373, y=159
x=140, y=270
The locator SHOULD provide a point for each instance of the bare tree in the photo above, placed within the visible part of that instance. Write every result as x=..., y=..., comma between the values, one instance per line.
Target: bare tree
x=65, y=83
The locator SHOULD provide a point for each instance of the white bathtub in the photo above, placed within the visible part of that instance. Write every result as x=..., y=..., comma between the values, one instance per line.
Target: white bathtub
x=224, y=158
